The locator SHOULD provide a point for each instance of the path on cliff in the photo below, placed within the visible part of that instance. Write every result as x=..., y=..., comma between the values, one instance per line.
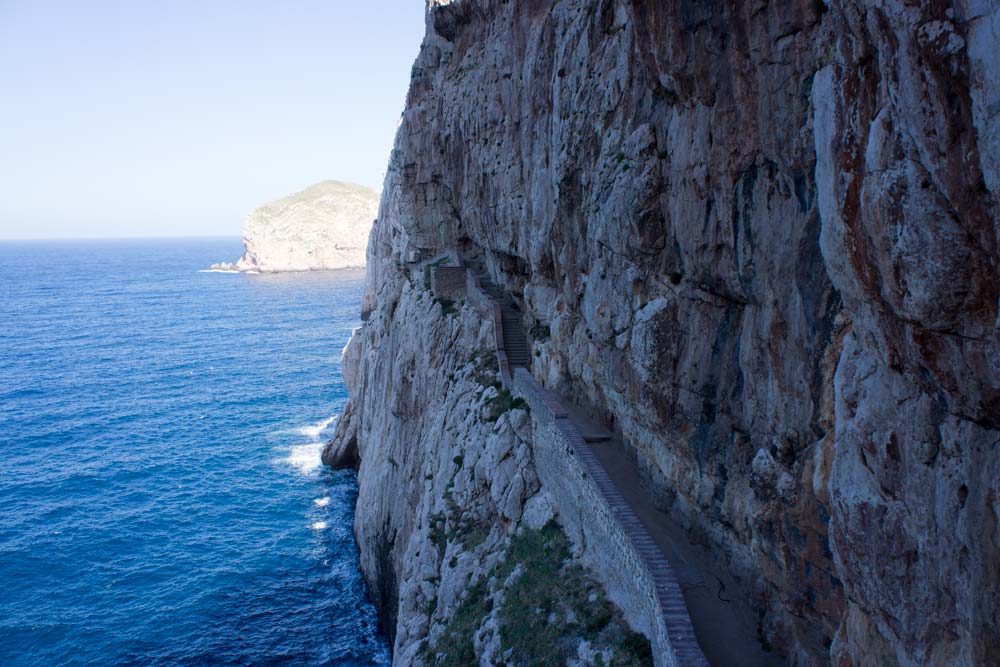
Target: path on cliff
x=515, y=342
x=726, y=631
x=724, y=628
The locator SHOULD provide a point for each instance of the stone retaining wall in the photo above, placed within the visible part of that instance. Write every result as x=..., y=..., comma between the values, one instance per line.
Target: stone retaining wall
x=448, y=282
x=638, y=578
x=636, y=574
x=481, y=301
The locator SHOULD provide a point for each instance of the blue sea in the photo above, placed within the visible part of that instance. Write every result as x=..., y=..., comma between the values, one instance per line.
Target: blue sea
x=161, y=497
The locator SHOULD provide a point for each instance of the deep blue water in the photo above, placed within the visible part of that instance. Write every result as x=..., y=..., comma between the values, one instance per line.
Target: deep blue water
x=161, y=501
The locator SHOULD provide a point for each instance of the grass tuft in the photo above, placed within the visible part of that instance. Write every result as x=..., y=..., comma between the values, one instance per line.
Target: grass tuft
x=550, y=606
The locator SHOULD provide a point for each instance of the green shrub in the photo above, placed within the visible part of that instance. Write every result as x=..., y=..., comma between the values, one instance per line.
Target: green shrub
x=550, y=605
x=502, y=402
x=540, y=332
x=447, y=306
x=554, y=602
x=456, y=647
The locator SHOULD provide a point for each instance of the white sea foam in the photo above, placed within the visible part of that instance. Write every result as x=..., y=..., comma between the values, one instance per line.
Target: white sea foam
x=318, y=430
x=321, y=502
x=318, y=525
x=218, y=271
x=305, y=457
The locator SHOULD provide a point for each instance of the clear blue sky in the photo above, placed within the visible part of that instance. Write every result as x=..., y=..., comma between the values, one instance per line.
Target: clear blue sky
x=175, y=118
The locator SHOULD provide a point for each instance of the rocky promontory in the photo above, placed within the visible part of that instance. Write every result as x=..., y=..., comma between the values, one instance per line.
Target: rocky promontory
x=758, y=242
x=325, y=226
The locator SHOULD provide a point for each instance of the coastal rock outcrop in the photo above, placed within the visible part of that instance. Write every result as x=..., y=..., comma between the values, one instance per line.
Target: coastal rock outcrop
x=454, y=531
x=761, y=242
x=325, y=226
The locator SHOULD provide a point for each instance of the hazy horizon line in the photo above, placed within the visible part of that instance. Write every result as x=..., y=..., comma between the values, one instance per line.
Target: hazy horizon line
x=27, y=239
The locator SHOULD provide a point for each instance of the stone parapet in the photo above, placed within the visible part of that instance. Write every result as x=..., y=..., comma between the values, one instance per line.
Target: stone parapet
x=637, y=575
x=449, y=282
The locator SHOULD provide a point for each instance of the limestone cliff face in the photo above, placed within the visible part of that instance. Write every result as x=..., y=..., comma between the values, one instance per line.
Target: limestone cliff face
x=452, y=525
x=325, y=226
x=760, y=240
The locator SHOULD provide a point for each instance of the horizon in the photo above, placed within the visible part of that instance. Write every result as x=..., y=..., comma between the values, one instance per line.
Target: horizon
x=59, y=239
x=174, y=122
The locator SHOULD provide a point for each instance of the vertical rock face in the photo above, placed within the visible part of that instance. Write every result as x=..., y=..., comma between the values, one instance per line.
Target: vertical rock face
x=454, y=530
x=759, y=239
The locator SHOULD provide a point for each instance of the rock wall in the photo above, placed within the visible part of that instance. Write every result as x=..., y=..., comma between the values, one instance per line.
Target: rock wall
x=452, y=525
x=758, y=239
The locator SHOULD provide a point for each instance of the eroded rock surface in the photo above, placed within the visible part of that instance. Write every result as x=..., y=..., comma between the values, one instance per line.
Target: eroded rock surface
x=758, y=239
x=453, y=527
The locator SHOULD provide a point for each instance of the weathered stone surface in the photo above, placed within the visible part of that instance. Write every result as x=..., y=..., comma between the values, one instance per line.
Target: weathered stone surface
x=760, y=240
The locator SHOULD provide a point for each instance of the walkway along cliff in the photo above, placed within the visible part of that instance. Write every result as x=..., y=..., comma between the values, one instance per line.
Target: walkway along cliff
x=724, y=275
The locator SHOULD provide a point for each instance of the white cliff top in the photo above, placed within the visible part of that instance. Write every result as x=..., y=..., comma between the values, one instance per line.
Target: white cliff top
x=325, y=226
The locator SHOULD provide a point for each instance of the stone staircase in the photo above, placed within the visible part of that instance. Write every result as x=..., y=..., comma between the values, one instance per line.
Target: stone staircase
x=515, y=343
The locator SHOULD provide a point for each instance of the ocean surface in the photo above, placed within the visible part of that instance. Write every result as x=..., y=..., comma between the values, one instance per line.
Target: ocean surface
x=161, y=497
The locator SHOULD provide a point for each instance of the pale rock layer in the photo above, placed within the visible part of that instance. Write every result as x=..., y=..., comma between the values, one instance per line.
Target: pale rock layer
x=325, y=226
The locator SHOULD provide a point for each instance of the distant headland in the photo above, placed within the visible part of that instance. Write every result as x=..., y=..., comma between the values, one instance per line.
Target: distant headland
x=323, y=227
